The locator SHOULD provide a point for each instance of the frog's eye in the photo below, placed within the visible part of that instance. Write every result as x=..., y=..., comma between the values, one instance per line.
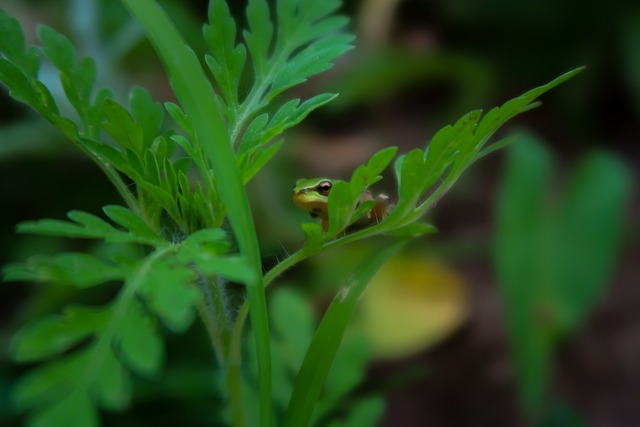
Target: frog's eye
x=324, y=187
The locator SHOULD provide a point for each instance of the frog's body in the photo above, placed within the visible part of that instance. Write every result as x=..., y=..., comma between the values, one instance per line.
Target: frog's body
x=313, y=195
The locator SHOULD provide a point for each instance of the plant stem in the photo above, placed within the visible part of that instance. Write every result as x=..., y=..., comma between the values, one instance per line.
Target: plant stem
x=213, y=311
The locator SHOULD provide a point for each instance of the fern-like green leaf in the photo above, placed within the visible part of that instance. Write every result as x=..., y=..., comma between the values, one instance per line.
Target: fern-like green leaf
x=122, y=127
x=229, y=60
x=77, y=269
x=167, y=292
x=303, y=40
x=259, y=35
x=206, y=248
x=147, y=112
x=86, y=225
x=345, y=196
x=54, y=335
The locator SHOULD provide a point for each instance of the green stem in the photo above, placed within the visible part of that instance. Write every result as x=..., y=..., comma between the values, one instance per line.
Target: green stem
x=214, y=315
x=234, y=388
x=213, y=311
x=120, y=186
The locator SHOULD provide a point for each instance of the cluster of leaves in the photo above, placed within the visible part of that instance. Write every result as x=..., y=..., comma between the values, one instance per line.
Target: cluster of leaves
x=97, y=347
x=226, y=129
x=553, y=259
x=176, y=221
x=304, y=42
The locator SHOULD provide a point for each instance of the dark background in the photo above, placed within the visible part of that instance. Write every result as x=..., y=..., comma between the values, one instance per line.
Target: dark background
x=418, y=65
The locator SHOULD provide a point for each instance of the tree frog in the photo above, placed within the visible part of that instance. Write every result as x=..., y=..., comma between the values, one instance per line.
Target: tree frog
x=313, y=195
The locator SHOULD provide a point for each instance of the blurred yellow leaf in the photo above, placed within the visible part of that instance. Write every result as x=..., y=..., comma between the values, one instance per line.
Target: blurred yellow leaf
x=412, y=303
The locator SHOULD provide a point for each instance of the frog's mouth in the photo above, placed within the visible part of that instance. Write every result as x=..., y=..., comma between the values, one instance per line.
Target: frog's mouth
x=317, y=208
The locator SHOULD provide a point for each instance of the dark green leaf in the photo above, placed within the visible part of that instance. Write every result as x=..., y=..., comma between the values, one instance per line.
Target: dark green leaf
x=521, y=233
x=162, y=148
x=19, y=85
x=254, y=135
x=410, y=172
x=44, y=384
x=148, y=113
x=86, y=226
x=168, y=292
x=342, y=203
x=55, y=334
x=77, y=269
x=589, y=236
x=110, y=154
x=152, y=168
x=111, y=385
x=75, y=409
x=11, y=38
x=121, y=126
x=293, y=322
x=58, y=49
x=313, y=59
x=139, y=344
x=206, y=248
x=258, y=37
x=313, y=235
x=131, y=222
x=300, y=22
x=287, y=116
x=348, y=369
x=179, y=116
x=228, y=62
x=257, y=161
x=379, y=161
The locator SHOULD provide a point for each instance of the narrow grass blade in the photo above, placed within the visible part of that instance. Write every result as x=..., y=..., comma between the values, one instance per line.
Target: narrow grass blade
x=323, y=348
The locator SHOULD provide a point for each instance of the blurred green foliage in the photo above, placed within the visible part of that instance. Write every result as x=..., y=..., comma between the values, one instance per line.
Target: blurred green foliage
x=555, y=253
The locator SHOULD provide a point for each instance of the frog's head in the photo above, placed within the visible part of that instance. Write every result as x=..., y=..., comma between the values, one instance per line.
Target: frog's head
x=313, y=195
